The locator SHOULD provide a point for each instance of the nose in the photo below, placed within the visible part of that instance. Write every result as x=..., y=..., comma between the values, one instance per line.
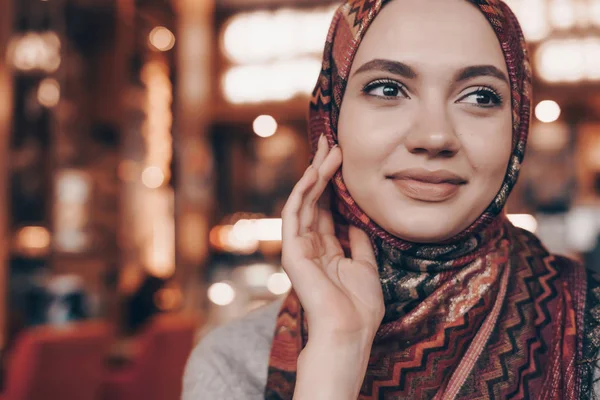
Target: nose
x=433, y=132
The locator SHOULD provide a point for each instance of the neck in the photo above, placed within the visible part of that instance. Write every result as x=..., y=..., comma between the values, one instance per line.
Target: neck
x=410, y=278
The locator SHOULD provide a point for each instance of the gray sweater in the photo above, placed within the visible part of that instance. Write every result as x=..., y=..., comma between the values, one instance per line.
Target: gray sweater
x=231, y=362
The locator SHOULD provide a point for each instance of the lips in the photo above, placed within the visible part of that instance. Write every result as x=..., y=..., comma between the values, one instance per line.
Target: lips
x=427, y=186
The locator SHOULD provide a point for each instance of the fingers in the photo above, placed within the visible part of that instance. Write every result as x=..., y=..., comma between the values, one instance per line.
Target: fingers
x=325, y=222
x=322, y=150
x=291, y=211
x=361, y=247
x=326, y=170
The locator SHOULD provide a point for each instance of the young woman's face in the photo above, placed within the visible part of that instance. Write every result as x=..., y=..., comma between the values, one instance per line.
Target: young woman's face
x=425, y=126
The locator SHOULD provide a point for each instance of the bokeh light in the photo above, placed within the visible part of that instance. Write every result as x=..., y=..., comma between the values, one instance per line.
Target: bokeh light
x=279, y=283
x=34, y=50
x=524, y=221
x=221, y=293
x=153, y=177
x=547, y=111
x=48, y=93
x=264, y=126
x=33, y=237
x=276, y=81
x=162, y=39
x=257, y=275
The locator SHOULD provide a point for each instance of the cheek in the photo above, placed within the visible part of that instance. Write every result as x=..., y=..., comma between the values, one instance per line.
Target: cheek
x=370, y=128
x=366, y=138
x=488, y=148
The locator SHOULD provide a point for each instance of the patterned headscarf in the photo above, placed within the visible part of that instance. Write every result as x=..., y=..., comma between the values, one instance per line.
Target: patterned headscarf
x=487, y=314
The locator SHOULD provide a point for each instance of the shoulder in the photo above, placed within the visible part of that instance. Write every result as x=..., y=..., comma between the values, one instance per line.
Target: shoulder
x=231, y=361
x=257, y=327
x=531, y=246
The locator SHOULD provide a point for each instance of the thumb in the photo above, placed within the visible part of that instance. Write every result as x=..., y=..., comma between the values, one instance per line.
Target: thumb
x=361, y=247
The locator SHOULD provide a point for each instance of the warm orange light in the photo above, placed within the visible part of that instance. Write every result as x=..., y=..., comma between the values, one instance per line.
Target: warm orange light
x=247, y=235
x=547, y=111
x=33, y=237
x=257, y=275
x=264, y=126
x=259, y=36
x=279, y=283
x=153, y=177
x=524, y=221
x=162, y=38
x=48, y=93
x=160, y=250
x=221, y=293
x=226, y=238
x=35, y=51
x=156, y=129
x=263, y=229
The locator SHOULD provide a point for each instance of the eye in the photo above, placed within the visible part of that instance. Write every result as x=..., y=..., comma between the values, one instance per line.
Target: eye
x=482, y=97
x=385, y=88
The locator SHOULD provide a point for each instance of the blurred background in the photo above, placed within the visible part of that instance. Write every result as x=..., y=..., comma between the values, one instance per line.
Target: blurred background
x=148, y=146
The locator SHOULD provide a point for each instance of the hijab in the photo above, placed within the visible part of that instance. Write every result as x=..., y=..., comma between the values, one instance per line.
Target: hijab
x=487, y=314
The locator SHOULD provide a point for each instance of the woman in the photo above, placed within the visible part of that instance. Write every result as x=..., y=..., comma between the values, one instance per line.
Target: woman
x=418, y=287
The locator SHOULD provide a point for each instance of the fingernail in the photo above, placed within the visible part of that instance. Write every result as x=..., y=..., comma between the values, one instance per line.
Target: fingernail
x=321, y=139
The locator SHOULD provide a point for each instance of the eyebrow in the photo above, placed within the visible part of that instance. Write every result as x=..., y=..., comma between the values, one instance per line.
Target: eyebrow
x=394, y=67
x=481, y=70
x=401, y=69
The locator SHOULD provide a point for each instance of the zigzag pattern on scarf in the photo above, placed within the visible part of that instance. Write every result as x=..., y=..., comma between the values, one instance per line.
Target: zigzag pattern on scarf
x=360, y=10
x=518, y=346
x=589, y=362
x=415, y=371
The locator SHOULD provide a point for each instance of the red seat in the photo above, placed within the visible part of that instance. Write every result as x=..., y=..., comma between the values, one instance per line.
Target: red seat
x=157, y=371
x=57, y=363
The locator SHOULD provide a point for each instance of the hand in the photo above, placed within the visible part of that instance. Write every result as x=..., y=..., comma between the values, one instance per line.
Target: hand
x=342, y=297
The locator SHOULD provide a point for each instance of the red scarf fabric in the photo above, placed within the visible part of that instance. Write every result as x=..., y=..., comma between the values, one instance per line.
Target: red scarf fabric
x=489, y=314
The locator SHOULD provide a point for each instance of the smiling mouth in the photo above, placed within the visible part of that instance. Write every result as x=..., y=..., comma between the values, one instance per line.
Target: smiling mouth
x=427, y=186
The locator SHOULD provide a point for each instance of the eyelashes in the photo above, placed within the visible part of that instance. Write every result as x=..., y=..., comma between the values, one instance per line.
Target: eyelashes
x=386, y=88
x=484, y=97
x=389, y=89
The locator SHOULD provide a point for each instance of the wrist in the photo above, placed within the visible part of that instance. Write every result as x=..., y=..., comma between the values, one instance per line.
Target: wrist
x=328, y=336
x=355, y=343
x=329, y=368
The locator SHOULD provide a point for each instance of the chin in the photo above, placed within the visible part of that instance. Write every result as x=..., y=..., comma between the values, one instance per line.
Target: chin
x=417, y=227
x=415, y=221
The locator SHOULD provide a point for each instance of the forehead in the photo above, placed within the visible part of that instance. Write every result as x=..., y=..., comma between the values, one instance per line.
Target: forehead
x=451, y=33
